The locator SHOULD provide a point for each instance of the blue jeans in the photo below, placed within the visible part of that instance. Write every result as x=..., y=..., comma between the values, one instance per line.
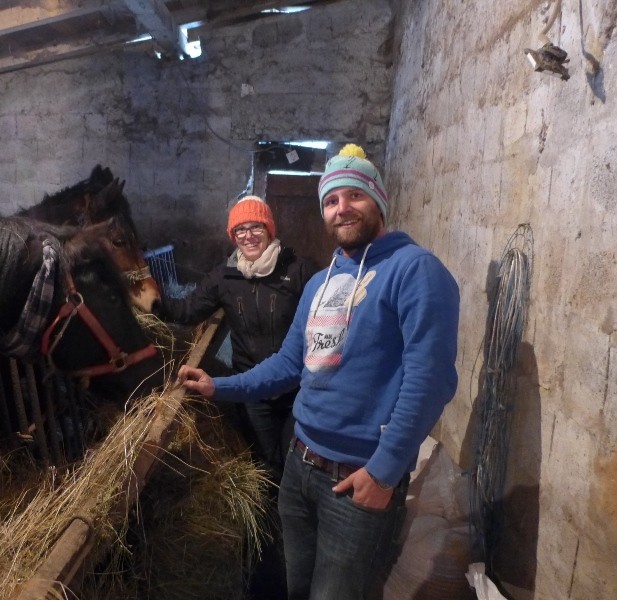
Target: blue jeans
x=334, y=548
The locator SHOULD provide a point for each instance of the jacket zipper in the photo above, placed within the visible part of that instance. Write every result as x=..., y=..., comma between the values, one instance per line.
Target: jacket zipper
x=243, y=317
x=272, y=312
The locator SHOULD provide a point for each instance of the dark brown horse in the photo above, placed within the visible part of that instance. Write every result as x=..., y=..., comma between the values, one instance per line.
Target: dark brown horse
x=98, y=199
x=60, y=294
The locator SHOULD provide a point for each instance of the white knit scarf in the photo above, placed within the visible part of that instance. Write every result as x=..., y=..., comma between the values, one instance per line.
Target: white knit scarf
x=264, y=265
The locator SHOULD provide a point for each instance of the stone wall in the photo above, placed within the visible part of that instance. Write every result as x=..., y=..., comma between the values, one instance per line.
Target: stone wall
x=480, y=143
x=182, y=134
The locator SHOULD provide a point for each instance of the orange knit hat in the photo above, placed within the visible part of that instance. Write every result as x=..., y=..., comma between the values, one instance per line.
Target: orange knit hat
x=251, y=209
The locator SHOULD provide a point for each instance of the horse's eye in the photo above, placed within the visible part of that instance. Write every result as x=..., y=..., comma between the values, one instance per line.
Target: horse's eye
x=118, y=242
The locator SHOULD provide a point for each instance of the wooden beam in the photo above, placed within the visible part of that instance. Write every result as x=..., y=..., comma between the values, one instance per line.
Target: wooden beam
x=47, y=56
x=226, y=14
x=155, y=18
x=22, y=19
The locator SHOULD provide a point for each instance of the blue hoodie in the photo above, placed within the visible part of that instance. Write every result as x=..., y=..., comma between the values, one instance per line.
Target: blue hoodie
x=373, y=345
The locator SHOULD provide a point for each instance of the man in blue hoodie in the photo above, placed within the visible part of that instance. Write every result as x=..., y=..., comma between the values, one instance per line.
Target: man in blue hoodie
x=373, y=346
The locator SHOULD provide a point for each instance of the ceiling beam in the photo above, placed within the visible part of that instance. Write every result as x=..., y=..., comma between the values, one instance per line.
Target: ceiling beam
x=154, y=17
x=229, y=12
x=59, y=53
x=22, y=21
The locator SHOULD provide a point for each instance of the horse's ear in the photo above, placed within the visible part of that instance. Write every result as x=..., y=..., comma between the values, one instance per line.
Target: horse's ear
x=109, y=176
x=83, y=203
x=114, y=189
x=100, y=176
x=96, y=173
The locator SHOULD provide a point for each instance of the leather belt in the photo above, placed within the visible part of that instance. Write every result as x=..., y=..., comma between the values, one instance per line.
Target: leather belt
x=337, y=471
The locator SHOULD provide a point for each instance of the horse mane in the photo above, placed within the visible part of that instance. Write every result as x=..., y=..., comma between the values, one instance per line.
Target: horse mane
x=103, y=207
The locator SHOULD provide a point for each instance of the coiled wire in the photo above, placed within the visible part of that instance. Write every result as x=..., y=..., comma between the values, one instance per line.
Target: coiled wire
x=505, y=327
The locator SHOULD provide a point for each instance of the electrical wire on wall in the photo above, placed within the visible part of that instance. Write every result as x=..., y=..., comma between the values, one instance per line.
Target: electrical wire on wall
x=505, y=327
x=248, y=189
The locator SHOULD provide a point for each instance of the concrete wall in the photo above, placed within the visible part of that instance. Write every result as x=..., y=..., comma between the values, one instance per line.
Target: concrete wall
x=182, y=134
x=480, y=143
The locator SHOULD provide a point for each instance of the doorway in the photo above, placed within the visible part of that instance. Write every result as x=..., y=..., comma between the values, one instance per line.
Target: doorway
x=295, y=203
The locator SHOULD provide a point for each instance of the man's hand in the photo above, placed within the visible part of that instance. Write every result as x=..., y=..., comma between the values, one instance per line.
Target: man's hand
x=365, y=491
x=197, y=380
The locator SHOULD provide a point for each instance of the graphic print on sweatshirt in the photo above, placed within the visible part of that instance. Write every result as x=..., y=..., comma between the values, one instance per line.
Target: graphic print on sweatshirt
x=327, y=326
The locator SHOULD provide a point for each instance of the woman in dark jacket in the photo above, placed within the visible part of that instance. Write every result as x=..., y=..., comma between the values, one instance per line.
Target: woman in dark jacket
x=258, y=287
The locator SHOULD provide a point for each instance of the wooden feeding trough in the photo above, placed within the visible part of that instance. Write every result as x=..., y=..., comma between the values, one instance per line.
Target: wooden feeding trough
x=73, y=551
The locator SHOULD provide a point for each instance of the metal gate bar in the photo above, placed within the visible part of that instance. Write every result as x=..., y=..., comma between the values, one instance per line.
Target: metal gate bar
x=35, y=407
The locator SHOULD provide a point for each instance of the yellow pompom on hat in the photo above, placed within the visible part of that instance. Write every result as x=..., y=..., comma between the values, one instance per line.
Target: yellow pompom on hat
x=351, y=168
x=250, y=209
x=352, y=150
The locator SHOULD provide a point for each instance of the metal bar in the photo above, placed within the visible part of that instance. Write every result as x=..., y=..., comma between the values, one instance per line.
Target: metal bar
x=37, y=416
x=18, y=400
x=5, y=417
x=60, y=394
x=72, y=398
x=52, y=430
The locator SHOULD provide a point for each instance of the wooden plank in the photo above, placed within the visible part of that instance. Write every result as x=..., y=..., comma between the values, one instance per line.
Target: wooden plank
x=69, y=555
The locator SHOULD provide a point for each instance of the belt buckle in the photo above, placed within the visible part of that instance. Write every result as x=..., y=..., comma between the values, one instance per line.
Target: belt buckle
x=306, y=460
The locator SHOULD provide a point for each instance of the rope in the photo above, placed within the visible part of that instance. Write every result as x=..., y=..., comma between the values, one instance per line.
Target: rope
x=505, y=328
x=544, y=33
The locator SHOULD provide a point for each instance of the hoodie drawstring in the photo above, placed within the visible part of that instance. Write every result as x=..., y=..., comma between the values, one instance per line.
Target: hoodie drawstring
x=325, y=285
x=355, y=287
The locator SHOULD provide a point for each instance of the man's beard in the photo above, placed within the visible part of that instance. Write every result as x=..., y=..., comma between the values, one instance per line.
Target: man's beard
x=356, y=237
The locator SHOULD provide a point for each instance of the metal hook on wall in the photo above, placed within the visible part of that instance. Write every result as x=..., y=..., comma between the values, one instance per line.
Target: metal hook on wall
x=549, y=57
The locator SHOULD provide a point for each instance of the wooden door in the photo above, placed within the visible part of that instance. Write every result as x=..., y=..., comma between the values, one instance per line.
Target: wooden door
x=295, y=203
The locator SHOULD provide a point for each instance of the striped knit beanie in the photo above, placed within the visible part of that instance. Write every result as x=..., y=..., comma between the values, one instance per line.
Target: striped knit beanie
x=350, y=168
x=251, y=209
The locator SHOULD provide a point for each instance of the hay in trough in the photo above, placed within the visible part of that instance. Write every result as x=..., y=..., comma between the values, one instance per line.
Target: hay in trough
x=86, y=491
x=201, y=522
x=202, y=515
x=201, y=534
x=19, y=481
x=208, y=490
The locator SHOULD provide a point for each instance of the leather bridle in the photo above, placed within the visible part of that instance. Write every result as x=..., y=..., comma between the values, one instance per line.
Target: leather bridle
x=118, y=359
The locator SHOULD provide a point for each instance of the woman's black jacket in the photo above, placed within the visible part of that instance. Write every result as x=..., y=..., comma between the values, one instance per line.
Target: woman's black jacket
x=258, y=311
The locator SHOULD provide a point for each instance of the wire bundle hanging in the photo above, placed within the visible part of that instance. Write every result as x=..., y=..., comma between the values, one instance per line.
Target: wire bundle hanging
x=506, y=325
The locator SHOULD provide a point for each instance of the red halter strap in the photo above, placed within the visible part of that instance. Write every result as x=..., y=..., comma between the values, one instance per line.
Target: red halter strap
x=118, y=360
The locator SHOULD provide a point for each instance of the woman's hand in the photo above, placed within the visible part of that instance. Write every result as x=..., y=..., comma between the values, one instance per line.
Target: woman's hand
x=197, y=380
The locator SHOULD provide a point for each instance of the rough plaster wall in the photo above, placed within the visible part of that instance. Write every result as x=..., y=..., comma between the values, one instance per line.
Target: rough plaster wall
x=181, y=133
x=478, y=144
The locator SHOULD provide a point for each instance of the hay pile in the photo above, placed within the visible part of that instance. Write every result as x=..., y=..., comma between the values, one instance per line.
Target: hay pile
x=201, y=522
x=207, y=507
